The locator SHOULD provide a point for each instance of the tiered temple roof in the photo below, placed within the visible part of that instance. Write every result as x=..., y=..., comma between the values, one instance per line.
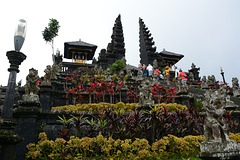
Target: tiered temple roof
x=148, y=51
x=116, y=48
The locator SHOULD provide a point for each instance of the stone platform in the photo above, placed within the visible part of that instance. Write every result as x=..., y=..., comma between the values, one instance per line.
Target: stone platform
x=221, y=151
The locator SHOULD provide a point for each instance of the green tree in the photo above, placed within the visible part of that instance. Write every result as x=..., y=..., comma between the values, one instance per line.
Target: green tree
x=117, y=65
x=51, y=32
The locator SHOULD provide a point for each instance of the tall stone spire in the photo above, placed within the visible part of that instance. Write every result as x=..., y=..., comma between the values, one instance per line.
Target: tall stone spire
x=147, y=49
x=117, y=43
x=116, y=48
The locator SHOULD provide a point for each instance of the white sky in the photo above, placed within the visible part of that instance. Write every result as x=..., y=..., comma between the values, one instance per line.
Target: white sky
x=206, y=32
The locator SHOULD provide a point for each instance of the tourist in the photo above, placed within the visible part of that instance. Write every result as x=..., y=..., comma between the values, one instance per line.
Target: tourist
x=176, y=73
x=158, y=73
x=140, y=66
x=183, y=75
x=167, y=74
x=150, y=70
x=144, y=71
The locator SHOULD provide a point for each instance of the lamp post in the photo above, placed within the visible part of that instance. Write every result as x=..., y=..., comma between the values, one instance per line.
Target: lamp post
x=15, y=59
x=222, y=73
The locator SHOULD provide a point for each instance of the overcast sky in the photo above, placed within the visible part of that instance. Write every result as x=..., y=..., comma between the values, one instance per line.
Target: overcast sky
x=206, y=32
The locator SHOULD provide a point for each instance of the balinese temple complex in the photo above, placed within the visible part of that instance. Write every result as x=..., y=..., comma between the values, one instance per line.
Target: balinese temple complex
x=80, y=51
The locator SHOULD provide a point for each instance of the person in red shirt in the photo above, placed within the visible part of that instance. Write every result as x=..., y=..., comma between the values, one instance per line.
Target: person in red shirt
x=183, y=75
x=158, y=73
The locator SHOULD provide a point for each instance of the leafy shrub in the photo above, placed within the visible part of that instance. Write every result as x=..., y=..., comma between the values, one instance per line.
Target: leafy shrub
x=172, y=107
x=107, y=148
x=128, y=107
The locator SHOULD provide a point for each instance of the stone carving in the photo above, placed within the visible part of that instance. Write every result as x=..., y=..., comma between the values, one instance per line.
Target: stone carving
x=57, y=58
x=47, y=76
x=56, y=69
x=204, y=84
x=225, y=94
x=31, y=88
x=235, y=87
x=217, y=143
x=195, y=71
x=180, y=87
x=145, y=94
x=154, y=77
x=139, y=76
x=121, y=78
x=215, y=126
x=155, y=64
x=129, y=74
x=211, y=80
x=190, y=78
x=108, y=76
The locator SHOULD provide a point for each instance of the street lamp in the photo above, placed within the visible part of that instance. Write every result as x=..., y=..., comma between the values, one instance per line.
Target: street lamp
x=15, y=59
x=222, y=73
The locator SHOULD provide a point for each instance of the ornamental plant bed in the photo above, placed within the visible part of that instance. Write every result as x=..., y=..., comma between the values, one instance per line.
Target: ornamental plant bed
x=99, y=147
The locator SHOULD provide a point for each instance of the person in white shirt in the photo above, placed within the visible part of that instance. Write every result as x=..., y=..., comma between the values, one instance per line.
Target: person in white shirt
x=176, y=73
x=150, y=70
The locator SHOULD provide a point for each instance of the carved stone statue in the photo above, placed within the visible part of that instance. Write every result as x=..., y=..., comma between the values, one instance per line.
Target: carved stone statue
x=47, y=76
x=195, y=71
x=217, y=144
x=31, y=85
x=225, y=94
x=180, y=87
x=154, y=77
x=211, y=80
x=235, y=87
x=57, y=58
x=145, y=94
x=139, y=76
x=155, y=64
x=31, y=88
x=215, y=126
x=121, y=78
x=191, y=78
x=108, y=76
x=204, y=84
x=129, y=73
x=56, y=69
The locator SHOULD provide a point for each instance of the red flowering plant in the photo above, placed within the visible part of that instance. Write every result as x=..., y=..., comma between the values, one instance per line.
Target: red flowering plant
x=101, y=90
x=90, y=90
x=169, y=96
x=157, y=92
x=233, y=125
x=132, y=97
x=118, y=89
x=111, y=90
x=74, y=94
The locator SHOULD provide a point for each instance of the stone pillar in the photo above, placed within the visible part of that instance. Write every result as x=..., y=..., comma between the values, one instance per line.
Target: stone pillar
x=45, y=97
x=8, y=140
x=28, y=125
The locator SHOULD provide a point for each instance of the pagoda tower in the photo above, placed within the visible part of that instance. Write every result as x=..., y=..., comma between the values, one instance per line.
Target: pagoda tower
x=147, y=49
x=116, y=48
